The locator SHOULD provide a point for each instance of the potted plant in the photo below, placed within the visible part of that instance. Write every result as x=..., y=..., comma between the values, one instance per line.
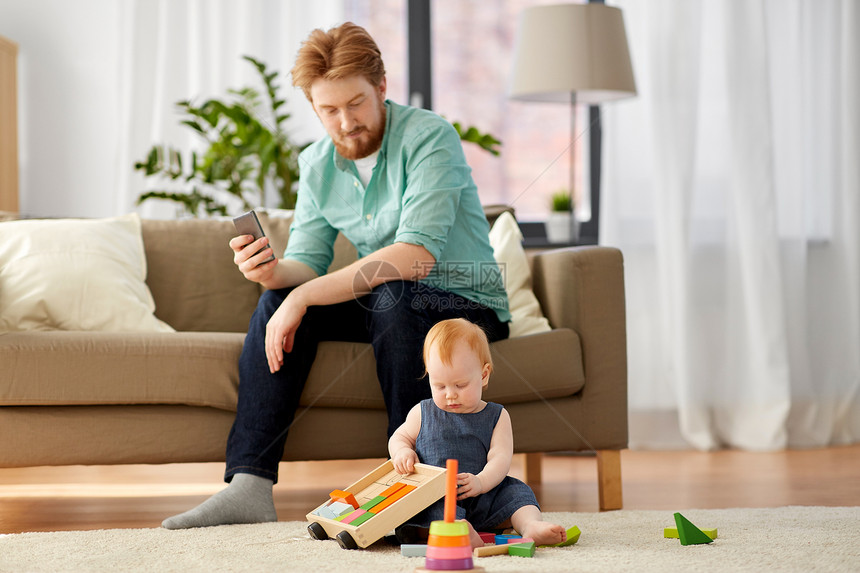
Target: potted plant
x=562, y=226
x=248, y=151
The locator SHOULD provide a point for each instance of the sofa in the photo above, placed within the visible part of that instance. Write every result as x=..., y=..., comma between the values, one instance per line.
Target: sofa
x=96, y=397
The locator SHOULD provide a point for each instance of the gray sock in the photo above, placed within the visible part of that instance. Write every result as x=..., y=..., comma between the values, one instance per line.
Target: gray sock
x=248, y=499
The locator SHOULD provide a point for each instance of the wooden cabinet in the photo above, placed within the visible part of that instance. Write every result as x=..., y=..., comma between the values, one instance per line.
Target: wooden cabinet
x=8, y=125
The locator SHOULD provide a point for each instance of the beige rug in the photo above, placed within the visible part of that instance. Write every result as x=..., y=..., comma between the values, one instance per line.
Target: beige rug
x=780, y=539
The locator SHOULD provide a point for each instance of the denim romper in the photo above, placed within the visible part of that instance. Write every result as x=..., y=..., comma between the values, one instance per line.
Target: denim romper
x=466, y=438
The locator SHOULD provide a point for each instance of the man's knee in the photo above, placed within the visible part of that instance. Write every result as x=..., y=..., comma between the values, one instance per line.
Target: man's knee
x=270, y=300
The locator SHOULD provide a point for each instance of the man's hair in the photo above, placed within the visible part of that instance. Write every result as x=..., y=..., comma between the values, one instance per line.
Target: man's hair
x=341, y=52
x=446, y=335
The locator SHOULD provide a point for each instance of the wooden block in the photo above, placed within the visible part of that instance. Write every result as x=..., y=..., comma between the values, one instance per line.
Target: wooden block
x=461, y=552
x=522, y=549
x=393, y=497
x=689, y=533
x=520, y=540
x=448, y=540
x=362, y=518
x=672, y=533
x=413, y=550
x=488, y=550
x=349, y=518
x=393, y=489
x=487, y=537
x=344, y=496
x=456, y=528
x=372, y=503
x=572, y=537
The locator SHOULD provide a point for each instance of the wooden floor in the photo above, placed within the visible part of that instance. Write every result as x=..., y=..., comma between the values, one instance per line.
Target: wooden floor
x=100, y=497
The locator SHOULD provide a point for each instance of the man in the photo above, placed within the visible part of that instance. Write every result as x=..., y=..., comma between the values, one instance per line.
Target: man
x=395, y=182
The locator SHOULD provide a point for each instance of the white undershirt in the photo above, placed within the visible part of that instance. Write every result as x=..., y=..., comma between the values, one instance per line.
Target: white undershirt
x=365, y=167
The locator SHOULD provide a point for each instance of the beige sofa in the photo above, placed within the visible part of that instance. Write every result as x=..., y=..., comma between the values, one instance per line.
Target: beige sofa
x=109, y=398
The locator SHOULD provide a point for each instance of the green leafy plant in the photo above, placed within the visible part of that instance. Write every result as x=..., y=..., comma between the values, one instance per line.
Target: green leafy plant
x=561, y=201
x=483, y=140
x=248, y=151
x=245, y=154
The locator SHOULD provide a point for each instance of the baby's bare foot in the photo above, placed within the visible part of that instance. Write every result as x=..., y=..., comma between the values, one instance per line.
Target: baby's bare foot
x=544, y=533
x=474, y=538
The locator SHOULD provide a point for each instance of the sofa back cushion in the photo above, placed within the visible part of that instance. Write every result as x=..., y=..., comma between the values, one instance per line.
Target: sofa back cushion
x=193, y=280
x=192, y=277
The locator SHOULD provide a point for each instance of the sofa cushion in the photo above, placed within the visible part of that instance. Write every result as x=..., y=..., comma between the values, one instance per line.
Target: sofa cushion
x=88, y=368
x=200, y=369
x=75, y=274
x=192, y=277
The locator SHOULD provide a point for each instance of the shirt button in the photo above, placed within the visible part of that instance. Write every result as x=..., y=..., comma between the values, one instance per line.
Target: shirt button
x=355, y=183
x=368, y=216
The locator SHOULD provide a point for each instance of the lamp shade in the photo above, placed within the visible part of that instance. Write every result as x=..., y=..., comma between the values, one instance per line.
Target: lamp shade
x=572, y=48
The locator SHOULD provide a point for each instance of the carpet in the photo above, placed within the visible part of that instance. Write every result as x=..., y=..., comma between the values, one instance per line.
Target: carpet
x=778, y=539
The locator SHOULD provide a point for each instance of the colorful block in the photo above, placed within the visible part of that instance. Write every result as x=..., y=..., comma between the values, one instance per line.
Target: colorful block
x=352, y=516
x=448, y=564
x=372, y=503
x=689, y=533
x=460, y=552
x=343, y=496
x=502, y=539
x=449, y=529
x=487, y=537
x=488, y=550
x=413, y=550
x=362, y=518
x=522, y=549
x=672, y=533
x=393, y=489
x=448, y=540
x=520, y=540
x=393, y=497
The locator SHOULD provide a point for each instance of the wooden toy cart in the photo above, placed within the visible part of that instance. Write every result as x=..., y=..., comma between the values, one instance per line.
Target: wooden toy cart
x=386, y=499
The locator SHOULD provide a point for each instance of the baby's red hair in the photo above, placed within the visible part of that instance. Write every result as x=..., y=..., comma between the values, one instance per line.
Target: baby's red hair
x=446, y=335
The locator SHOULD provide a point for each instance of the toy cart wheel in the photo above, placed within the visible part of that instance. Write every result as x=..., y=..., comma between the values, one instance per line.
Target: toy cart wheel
x=345, y=540
x=317, y=531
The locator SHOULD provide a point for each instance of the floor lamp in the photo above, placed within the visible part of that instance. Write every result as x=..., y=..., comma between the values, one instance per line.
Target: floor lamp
x=572, y=53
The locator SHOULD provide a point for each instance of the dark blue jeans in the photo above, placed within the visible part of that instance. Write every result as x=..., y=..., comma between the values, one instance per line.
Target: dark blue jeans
x=395, y=318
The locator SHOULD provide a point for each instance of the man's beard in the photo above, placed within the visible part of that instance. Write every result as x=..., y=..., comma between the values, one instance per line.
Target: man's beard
x=370, y=141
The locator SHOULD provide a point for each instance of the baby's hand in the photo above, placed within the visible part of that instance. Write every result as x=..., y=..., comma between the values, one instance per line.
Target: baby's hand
x=404, y=460
x=468, y=485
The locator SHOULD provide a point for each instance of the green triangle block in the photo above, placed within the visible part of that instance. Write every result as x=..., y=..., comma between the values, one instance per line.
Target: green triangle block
x=689, y=533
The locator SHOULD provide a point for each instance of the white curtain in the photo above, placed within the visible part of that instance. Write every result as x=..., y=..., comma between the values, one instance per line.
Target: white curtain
x=732, y=185
x=172, y=50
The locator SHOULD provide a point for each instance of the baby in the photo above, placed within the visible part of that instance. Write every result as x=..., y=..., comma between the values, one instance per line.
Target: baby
x=457, y=423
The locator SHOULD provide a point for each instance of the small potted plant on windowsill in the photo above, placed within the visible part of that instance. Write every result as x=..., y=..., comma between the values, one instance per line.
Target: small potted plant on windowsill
x=561, y=225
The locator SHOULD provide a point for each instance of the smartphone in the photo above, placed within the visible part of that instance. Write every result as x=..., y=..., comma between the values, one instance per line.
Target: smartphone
x=249, y=224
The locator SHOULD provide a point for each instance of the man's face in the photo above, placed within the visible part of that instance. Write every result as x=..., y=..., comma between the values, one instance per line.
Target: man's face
x=352, y=112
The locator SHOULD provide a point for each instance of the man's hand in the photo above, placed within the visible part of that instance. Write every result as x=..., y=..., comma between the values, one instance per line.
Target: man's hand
x=468, y=485
x=281, y=330
x=404, y=460
x=244, y=247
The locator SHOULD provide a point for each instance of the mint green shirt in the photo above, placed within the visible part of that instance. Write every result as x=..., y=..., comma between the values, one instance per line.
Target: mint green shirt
x=421, y=192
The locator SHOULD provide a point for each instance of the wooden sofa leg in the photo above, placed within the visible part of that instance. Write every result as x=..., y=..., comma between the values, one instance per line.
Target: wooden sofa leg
x=531, y=468
x=609, y=479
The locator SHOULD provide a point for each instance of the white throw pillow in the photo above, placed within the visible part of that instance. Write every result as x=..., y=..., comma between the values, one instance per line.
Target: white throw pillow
x=506, y=240
x=75, y=274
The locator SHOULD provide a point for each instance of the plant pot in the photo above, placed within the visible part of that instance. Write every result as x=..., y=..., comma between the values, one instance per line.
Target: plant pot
x=562, y=228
